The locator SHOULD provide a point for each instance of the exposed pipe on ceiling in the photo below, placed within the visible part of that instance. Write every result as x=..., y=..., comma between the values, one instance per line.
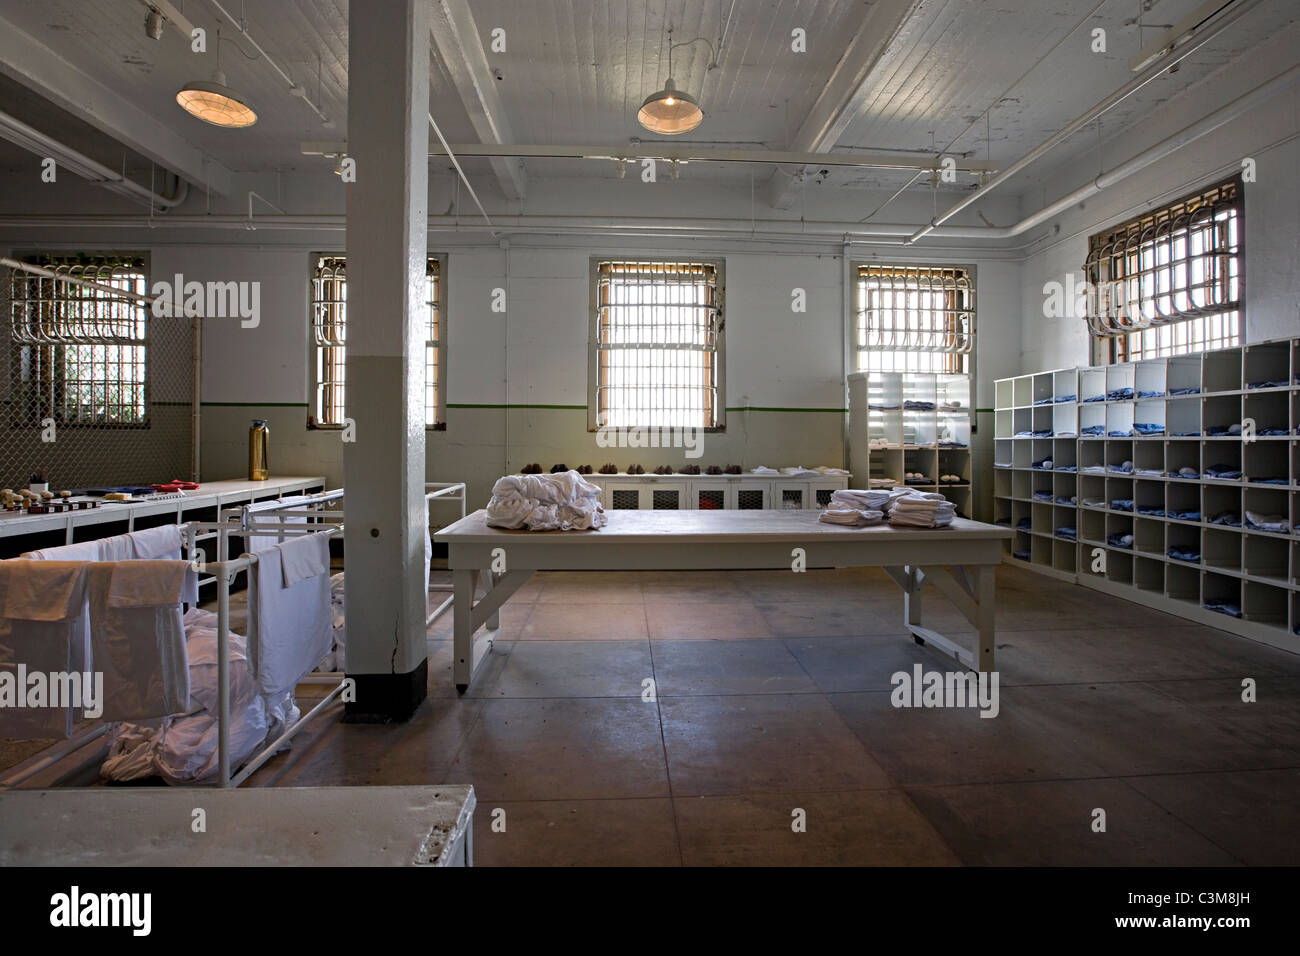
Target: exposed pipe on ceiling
x=1148, y=74
x=44, y=146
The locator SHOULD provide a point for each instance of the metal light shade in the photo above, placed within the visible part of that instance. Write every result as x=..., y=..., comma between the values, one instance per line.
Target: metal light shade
x=215, y=103
x=670, y=111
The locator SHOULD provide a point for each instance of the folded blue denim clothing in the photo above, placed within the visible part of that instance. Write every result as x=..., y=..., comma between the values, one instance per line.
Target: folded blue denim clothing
x=1228, y=518
x=1185, y=472
x=1272, y=430
x=1093, y=430
x=1121, y=504
x=1124, y=469
x=1186, y=514
x=1262, y=522
x=1215, y=431
x=1120, y=539
x=1151, y=510
x=1280, y=384
x=1024, y=434
x=1150, y=472
x=882, y=408
x=1067, y=533
x=1022, y=555
x=1149, y=393
x=1120, y=433
x=1224, y=607
x=1269, y=481
x=1223, y=472
x=1066, y=398
x=1042, y=496
x=1045, y=433
x=1045, y=401
x=1067, y=467
x=1044, y=465
x=1096, y=398
x=1186, y=434
x=1149, y=428
x=1189, y=390
x=919, y=406
x=952, y=444
x=1063, y=500
x=1119, y=394
x=1024, y=524
x=1180, y=553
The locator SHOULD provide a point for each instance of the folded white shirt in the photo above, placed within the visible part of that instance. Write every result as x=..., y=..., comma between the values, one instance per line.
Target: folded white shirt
x=851, y=516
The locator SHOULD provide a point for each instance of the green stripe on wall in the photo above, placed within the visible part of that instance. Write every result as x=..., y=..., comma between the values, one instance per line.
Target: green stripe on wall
x=777, y=408
x=982, y=410
x=252, y=404
x=576, y=408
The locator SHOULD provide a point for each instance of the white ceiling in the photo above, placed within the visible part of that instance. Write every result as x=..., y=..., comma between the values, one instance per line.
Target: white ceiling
x=576, y=70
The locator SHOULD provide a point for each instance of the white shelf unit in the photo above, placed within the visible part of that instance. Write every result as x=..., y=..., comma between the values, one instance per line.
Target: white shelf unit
x=746, y=492
x=1168, y=458
x=912, y=422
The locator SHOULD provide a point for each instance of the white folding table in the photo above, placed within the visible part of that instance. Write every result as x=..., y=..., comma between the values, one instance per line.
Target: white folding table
x=960, y=560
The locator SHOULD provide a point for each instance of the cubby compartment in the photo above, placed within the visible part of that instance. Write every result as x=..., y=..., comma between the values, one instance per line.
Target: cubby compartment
x=885, y=425
x=1183, y=582
x=1267, y=365
x=1119, y=382
x=1149, y=379
x=1092, y=385
x=1221, y=506
x=1266, y=557
x=1003, y=453
x=1183, y=375
x=1064, y=454
x=1064, y=525
x=1182, y=541
x=1041, y=454
x=1266, y=463
x=1022, y=454
x=1149, y=498
x=1183, y=417
x=1002, y=393
x=1183, y=502
x=1022, y=423
x=1092, y=454
x=1149, y=575
x=1118, y=566
x=1002, y=423
x=1092, y=491
x=1023, y=391
x=1021, y=546
x=1148, y=419
x=954, y=463
x=920, y=427
x=1063, y=555
x=1041, y=551
x=1119, y=532
x=1021, y=519
x=1119, y=494
x=923, y=462
x=1022, y=485
x=1119, y=457
x=1221, y=593
x=1221, y=371
x=1221, y=460
x=1264, y=603
x=1092, y=421
x=1064, y=489
x=1092, y=526
x=1119, y=420
x=1266, y=511
x=1221, y=416
x=1041, y=513
x=1268, y=414
x=1042, y=421
x=1002, y=481
x=1183, y=460
x=1149, y=459
x=1044, y=391
x=1065, y=420
x=953, y=428
x=1065, y=385
x=1221, y=549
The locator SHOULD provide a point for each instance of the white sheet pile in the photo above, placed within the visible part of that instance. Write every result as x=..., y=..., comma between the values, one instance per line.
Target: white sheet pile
x=903, y=507
x=560, y=502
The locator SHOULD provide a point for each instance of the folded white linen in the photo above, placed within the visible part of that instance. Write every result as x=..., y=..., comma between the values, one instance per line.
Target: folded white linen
x=798, y=471
x=294, y=625
x=77, y=551
x=851, y=516
x=874, y=499
x=157, y=544
x=763, y=470
x=304, y=556
x=827, y=470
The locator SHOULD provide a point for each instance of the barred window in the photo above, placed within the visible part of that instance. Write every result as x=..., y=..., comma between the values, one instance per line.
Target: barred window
x=1170, y=281
x=657, y=345
x=79, y=354
x=915, y=318
x=329, y=306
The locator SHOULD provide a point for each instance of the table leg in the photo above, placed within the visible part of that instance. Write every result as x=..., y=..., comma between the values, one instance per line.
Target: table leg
x=493, y=622
x=464, y=584
x=986, y=607
x=912, y=596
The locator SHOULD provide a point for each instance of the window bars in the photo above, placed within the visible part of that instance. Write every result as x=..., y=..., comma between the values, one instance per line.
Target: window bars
x=96, y=390
x=329, y=332
x=915, y=318
x=657, y=344
x=1170, y=281
x=80, y=353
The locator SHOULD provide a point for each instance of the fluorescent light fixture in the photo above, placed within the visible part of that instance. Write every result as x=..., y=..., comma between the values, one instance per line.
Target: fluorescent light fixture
x=670, y=111
x=216, y=103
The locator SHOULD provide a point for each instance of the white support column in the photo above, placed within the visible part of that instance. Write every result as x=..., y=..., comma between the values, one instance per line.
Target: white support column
x=387, y=222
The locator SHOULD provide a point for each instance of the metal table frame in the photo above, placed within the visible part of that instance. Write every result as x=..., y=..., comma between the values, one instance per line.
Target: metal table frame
x=959, y=560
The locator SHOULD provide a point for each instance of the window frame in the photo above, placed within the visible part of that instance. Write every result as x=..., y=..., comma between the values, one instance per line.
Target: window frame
x=719, y=352
x=313, y=348
x=18, y=418
x=1115, y=349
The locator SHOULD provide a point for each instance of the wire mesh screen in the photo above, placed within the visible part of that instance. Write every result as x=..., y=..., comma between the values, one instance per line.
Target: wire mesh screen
x=711, y=499
x=915, y=318
x=329, y=310
x=625, y=499
x=97, y=390
x=1169, y=282
x=666, y=501
x=749, y=499
x=657, y=341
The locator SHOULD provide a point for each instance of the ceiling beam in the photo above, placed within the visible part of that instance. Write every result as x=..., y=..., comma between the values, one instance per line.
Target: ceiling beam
x=845, y=91
x=460, y=46
x=33, y=64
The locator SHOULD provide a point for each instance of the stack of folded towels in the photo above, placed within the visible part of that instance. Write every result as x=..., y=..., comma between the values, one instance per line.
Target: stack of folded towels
x=920, y=509
x=561, y=502
x=856, y=508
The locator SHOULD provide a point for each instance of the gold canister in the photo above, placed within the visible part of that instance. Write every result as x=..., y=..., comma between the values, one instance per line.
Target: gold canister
x=259, y=448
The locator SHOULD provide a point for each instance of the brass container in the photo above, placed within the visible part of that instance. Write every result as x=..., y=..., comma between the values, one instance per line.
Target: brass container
x=259, y=448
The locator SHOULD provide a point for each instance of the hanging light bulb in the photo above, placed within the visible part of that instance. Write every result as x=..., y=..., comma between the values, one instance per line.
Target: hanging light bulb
x=670, y=111
x=214, y=102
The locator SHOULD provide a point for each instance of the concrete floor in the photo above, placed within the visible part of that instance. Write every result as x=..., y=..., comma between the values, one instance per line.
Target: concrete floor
x=773, y=695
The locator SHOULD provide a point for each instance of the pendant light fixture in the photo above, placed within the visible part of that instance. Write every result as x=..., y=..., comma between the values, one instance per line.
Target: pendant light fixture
x=670, y=111
x=214, y=102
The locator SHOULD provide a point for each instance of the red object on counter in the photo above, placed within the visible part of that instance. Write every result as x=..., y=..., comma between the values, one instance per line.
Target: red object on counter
x=176, y=485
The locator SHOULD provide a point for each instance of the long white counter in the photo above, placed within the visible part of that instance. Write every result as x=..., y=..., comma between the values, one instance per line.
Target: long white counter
x=211, y=494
